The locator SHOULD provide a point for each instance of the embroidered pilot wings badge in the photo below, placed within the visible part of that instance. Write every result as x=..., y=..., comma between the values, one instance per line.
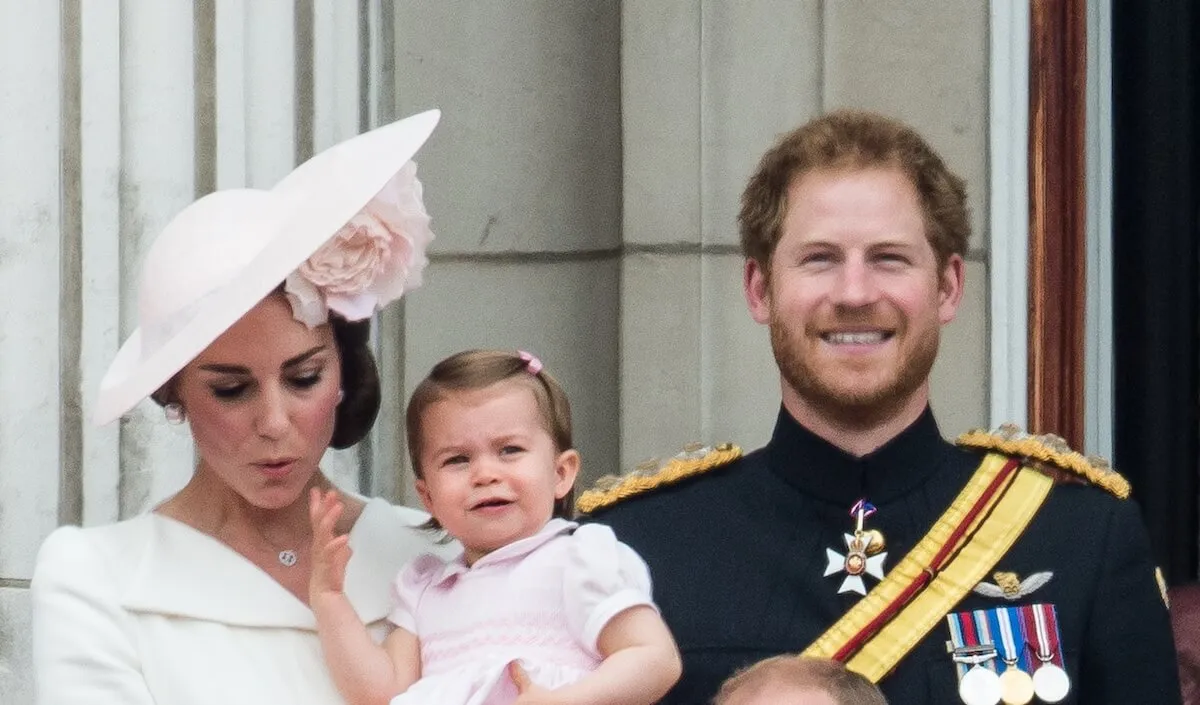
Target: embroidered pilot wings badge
x=1009, y=586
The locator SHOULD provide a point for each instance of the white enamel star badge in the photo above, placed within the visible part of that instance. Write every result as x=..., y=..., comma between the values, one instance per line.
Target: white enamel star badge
x=855, y=563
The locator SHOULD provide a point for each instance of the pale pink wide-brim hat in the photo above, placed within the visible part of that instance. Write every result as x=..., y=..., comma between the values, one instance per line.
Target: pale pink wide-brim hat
x=222, y=255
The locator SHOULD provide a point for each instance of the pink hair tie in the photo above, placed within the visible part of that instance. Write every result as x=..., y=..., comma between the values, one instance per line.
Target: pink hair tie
x=532, y=363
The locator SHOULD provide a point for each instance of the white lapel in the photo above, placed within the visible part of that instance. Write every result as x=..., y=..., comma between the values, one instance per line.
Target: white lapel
x=186, y=573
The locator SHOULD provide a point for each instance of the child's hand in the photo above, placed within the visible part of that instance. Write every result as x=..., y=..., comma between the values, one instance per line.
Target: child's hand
x=330, y=553
x=529, y=693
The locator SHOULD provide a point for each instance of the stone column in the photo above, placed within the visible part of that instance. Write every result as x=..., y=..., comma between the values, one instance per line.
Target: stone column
x=524, y=185
x=706, y=88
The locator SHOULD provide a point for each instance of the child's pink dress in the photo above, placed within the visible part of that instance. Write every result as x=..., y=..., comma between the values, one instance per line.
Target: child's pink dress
x=542, y=600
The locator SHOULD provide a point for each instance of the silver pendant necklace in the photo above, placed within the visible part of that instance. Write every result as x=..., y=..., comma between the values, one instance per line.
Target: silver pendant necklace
x=287, y=557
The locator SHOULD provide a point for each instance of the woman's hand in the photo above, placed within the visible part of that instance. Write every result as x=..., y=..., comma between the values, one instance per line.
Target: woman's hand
x=330, y=553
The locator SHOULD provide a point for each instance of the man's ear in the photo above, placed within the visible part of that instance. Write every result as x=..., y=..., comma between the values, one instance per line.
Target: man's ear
x=757, y=291
x=950, y=288
x=566, y=469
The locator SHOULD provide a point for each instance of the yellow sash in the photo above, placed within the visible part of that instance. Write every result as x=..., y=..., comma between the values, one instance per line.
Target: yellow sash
x=991, y=534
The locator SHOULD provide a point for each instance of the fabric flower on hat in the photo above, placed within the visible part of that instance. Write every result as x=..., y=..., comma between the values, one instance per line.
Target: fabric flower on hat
x=371, y=261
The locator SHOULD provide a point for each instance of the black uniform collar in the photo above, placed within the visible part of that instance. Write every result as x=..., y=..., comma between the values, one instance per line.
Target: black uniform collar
x=816, y=467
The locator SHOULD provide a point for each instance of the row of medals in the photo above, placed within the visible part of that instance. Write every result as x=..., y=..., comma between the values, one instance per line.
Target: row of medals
x=983, y=686
x=980, y=686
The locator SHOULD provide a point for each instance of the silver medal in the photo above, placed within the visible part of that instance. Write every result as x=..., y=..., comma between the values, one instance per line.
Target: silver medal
x=980, y=686
x=1051, y=683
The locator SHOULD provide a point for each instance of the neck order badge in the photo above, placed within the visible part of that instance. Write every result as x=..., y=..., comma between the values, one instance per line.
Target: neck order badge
x=864, y=552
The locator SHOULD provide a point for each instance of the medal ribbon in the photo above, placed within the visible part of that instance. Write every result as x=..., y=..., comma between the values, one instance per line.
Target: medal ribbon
x=1006, y=624
x=958, y=640
x=1040, y=624
x=983, y=635
x=971, y=629
x=863, y=506
x=1046, y=620
x=1003, y=650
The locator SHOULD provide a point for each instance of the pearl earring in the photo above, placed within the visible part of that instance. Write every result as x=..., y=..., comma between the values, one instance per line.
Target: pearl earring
x=341, y=395
x=174, y=413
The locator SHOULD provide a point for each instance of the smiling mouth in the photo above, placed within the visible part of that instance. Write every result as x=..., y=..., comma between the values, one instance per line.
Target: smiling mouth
x=491, y=504
x=857, y=337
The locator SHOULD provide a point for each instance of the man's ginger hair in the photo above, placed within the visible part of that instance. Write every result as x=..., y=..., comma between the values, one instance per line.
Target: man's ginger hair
x=853, y=140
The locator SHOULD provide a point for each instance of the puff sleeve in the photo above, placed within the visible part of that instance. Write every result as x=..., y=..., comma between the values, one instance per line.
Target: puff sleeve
x=603, y=577
x=410, y=584
x=83, y=649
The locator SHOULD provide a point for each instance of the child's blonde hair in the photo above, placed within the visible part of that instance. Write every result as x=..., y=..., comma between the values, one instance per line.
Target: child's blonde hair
x=473, y=370
x=800, y=673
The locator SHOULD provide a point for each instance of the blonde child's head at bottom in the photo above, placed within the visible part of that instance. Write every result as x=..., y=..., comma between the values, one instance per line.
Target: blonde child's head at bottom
x=795, y=680
x=489, y=436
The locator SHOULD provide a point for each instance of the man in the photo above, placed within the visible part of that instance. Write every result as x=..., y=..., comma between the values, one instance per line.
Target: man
x=792, y=680
x=988, y=579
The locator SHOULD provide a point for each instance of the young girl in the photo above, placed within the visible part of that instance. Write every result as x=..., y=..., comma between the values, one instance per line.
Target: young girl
x=535, y=609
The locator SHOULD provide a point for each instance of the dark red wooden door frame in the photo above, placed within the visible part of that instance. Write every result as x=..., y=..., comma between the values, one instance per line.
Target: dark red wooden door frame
x=1057, y=242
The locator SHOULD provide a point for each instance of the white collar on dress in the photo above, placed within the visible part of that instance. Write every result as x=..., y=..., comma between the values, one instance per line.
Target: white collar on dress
x=517, y=549
x=187, y=573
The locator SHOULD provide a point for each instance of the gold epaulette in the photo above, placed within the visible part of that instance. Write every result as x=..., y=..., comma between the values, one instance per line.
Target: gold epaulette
x=652, y=474
x=1048, y=451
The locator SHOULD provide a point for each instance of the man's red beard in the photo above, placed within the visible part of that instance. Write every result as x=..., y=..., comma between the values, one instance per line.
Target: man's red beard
x=852, y=405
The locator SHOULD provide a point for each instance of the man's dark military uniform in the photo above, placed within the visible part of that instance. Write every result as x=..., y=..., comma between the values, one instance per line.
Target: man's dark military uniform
x=737, y=556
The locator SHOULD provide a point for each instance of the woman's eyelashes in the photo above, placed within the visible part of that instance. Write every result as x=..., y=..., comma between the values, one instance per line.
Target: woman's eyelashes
x=229, y=392
x=233, y=391
x=306, y=380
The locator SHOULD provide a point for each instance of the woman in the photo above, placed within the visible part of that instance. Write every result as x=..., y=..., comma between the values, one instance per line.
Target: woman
x=253, y=323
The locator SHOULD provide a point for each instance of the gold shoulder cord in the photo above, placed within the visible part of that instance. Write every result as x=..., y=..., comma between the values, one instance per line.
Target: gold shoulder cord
x=1051, y=450
x=694, y=460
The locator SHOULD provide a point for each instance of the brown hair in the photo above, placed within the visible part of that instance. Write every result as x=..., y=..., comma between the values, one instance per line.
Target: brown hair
x=356, y=413
x=853, y=140
x=802, y=673
x=478, y=369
